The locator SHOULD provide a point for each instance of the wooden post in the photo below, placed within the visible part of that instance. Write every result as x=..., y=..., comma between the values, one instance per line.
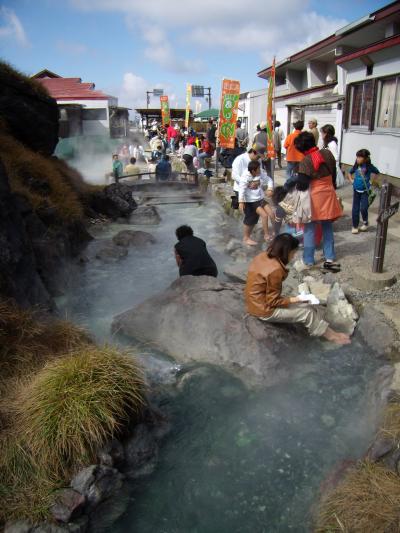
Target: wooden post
x=381, y=229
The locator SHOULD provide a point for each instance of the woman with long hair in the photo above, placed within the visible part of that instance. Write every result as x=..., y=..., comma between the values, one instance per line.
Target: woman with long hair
x=330, y=142
x=263, y=292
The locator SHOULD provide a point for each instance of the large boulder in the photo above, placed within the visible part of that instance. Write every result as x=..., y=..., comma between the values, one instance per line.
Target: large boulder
x=203, y=319
x=145, y=216
x=27, y=111
x=114, y=201
x=129, y=237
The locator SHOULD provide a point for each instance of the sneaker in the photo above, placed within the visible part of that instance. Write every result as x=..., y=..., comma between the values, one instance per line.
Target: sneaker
x=364, y=227
x=354, y=231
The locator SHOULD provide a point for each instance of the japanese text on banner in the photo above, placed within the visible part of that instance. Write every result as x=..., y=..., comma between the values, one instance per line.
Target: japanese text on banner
x=228, y=113
x=165, y=116
x=188, y=95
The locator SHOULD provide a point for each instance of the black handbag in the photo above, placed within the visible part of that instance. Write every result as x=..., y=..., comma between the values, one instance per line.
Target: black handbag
x=234, y=202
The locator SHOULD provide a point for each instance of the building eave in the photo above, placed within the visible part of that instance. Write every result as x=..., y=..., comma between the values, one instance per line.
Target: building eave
x=381, y=45
x=306, y=91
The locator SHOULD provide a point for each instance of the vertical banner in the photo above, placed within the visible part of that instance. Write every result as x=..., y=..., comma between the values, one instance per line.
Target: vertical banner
x=270, y=105
x=228, y=113
x=165, y=116
x=188, y=95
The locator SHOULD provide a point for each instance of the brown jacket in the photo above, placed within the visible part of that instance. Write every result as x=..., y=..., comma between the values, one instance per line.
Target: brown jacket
x=263, y=291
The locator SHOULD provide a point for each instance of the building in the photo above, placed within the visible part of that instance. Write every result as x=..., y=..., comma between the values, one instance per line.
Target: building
x=252, y=109
x=349, y=80
x=83, y=109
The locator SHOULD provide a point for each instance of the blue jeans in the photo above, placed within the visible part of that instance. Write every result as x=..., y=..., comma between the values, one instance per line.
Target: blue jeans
x=202, y=158
x=309, y=241
x=360, y=203
x=291, y=171
x=172, y=144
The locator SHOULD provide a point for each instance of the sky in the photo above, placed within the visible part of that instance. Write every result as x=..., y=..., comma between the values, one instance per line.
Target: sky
x=128, y=47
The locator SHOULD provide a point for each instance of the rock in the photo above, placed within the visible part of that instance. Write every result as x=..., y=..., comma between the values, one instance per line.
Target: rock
x=29, y=114
x=375, y=331
x=232, y=245
x=84, y=479
x=320, y=290
x=111, y=253
x=21, y=526
x=68, y=505
x=328, y=421
x=107, y=482
x=129, y=237
x=113, y=201
x=109, y=511
x=207, y=318
x=380, y=447
x=50, y=528
x=141, y=450
x=111, y=454
x=304, y=288
x=329, y=278
x=145, y=215
x=336, y=294
x=236, y=273
x=79, y=526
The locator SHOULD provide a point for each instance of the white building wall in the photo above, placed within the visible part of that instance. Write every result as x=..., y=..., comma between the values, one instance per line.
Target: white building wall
x=384, y=146
x=93, y=127
x=257, y=109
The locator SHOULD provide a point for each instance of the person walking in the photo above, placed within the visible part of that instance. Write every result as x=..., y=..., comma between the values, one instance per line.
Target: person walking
x=293, y=156
x=263, y=292
x=278, y=138
x=330, y=142
x=192, y=256
x=317, y=173
x=252, y=201
x=360, y=175
x=313, y=128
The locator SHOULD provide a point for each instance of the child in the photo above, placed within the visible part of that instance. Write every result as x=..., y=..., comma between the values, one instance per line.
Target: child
x=360, y=175
x=252, y=202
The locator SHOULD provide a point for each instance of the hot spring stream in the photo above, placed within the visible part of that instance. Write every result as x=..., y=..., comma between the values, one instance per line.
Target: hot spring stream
x=236, y=461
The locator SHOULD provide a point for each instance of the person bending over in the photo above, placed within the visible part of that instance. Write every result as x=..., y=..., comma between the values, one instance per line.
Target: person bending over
x=263, y=292
x=192, y=256
x=252, y=202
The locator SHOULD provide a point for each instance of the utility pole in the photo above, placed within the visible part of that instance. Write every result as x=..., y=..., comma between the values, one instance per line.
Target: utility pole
x=209, y=96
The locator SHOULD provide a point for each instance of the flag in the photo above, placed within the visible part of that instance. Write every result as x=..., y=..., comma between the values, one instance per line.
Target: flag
x=165, y=115
x=228, y=113
x=270, y=105
x=188, y=95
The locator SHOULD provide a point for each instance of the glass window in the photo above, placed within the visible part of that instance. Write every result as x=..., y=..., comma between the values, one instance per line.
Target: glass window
x=94, y=114
x=362, y=95
x=389, y=103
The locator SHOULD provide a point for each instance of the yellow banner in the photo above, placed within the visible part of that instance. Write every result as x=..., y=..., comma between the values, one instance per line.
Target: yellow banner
x=228, y=113
x=165, y=115
x=188, y=95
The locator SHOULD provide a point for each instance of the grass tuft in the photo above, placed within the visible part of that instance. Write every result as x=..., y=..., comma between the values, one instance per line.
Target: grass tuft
x=76, y=403
x=368, y=499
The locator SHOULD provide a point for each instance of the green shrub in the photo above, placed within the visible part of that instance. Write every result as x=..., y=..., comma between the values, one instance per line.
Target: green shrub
x=76, y=403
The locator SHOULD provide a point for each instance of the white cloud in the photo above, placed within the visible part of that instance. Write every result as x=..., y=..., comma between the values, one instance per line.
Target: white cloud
x=72, y=48
x=133, y=91
x=11, y=27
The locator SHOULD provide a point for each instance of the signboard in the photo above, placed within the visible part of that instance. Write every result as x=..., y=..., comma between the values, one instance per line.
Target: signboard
x=228, y=113
x=198, y=90
x=158, y=92
x=165, y=115
x=388, y=212
x=188, y=95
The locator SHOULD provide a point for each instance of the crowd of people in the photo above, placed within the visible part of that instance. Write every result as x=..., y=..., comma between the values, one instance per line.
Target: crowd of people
x=306, y=205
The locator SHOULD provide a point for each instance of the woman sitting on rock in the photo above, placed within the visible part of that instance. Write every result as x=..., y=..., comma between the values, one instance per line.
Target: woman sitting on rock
x=263, y=292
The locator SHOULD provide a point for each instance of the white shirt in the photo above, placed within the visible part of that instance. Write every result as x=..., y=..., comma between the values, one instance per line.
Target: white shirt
x=248, y=195
x=190, y=149
x=333, y=148
x=239, y=167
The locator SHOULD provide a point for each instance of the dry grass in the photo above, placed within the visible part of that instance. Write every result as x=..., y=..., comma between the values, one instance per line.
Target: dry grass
x=61, y=398
x=38, y=179
x=76, y=403
x=366, y=501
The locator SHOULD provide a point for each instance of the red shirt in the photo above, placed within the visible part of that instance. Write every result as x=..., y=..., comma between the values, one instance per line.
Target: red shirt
x=171, y=133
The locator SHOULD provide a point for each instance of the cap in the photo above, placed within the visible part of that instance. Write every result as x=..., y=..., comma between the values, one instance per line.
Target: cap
x=263, y=125
x=313, y=119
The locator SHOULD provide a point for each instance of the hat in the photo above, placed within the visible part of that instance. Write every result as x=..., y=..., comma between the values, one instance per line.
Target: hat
x=263, y=125
x=313, y=119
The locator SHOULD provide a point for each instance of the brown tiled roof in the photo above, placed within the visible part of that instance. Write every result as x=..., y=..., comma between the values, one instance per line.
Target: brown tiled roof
x=71, y=89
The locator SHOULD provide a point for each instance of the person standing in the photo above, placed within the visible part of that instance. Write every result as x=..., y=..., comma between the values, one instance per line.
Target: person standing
x=241, y=137
x=313, y=128
x=261, y=139
x=171, y=136
x=192, y=256
x=117, y=168
x=252, y=201
x=293, y=156
x=361, y=174
x=330, y=142
x=278, y=138
x=212, y=132
x=189, y=153
x=263, y=292
x=317, y=172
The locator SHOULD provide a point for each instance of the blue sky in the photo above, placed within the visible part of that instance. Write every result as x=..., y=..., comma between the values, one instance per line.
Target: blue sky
x=129, y=46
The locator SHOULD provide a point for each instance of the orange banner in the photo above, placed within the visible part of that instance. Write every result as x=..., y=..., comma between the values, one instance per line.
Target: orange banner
x=228, y=113
x=165, y=115
x=270, y=109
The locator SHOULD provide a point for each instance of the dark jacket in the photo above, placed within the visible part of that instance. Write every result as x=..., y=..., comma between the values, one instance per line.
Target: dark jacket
x=196, y=261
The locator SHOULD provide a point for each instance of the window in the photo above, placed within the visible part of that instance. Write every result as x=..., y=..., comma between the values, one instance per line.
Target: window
x=388, y=112
x=94, y=114
x=361, y=103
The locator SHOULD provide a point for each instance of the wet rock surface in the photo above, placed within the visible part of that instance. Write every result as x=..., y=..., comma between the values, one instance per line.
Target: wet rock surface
x=145, y=216
x=114, y=201
x=68, y=505
x=129, y=237
x=208, y=322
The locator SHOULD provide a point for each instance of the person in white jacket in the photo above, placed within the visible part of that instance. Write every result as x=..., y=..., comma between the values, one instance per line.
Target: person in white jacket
x=239, y=166
x=252, y=201
x=330, y=142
